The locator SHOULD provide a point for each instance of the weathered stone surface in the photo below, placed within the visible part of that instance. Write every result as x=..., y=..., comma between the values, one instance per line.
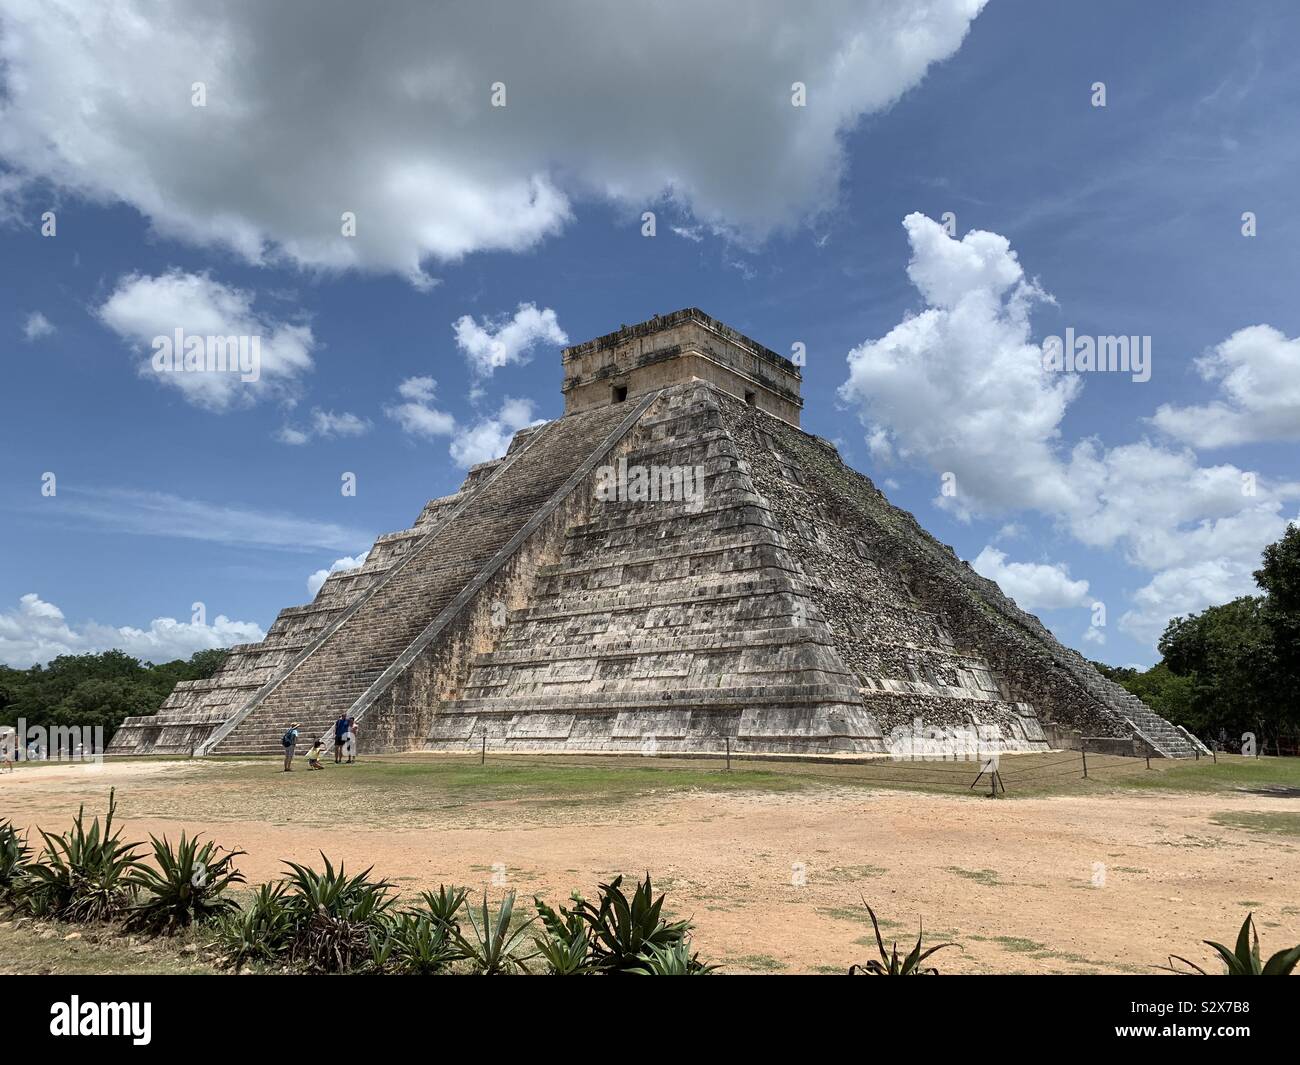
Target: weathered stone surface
x=782, y=606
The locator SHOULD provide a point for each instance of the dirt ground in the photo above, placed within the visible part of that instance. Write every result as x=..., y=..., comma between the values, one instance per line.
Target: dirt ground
x=773, y=877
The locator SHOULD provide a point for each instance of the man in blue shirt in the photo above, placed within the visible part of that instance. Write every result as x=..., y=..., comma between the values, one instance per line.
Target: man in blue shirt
x=288, y=741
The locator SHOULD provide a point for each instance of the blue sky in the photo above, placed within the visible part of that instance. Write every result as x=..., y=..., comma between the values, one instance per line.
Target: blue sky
x=787, y=223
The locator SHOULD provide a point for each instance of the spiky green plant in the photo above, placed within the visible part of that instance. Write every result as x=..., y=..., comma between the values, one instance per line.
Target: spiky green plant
x=890, y=964
x=621, y=929
x=492, y=949
x=335, y=916
x=675, y=959
x=186, y=887
x=83, y=874
x=1245, y=960
x=262, y=932
x=14, y=853
x=415, y=944
x=444, y=905
x=566, y=954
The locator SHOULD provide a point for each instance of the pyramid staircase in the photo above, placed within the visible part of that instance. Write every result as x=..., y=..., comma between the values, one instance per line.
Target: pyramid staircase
x=365, y=648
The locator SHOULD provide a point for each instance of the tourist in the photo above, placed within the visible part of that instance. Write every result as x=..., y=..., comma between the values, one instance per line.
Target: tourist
x=313, y=756
x=288, y=741
x=350, y=739
x=340, y=736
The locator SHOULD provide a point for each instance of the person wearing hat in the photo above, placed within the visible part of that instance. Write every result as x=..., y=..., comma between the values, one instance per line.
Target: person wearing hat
x=288, y=741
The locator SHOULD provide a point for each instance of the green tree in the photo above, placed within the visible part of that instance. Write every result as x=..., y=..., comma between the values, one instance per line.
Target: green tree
x=1227, y=654
x=96, y=689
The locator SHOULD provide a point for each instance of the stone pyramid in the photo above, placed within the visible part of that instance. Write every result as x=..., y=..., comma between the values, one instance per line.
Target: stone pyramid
x=673, y=565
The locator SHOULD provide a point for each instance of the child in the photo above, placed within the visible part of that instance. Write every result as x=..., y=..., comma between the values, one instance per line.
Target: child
x=313, y=756
x=350, y=741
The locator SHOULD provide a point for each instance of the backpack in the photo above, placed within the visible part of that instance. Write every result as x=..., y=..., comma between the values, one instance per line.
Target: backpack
x=287, y=739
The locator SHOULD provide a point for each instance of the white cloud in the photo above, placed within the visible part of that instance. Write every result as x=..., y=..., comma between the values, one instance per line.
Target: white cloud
x=339, y=565
x=417, y=416
x=36, y=326
x=142, y=308
x=324, y=425
x=494, y=344
x=488, y=438
x=294, y=437
x=163, y=514
x=960, y=387
x=432, y=171
x=37, y=631
x=1033, y=585
x=1258, y=373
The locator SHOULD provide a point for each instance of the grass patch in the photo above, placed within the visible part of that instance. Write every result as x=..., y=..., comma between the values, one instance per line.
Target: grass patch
x=987, y=877
x=1267, y=822
x=1232, y=773
x=42, y=949
x=842, y=873
x=1018, y=945
x=761, y=963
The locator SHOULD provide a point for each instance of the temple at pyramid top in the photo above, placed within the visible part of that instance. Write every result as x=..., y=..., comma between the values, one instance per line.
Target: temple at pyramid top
x=674, y=349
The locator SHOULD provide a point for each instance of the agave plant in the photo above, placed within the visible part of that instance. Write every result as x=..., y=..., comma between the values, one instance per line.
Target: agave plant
x=492, y=948
x=262, y=932
x=890, y=964
x=566, y=953
x=13, y=857
x=621, y=929
x=1245, y=960
x=83, y=874
x=444, y=906
x=673, y=960
x=335, y=917
x=414, y=944
x=186, y=888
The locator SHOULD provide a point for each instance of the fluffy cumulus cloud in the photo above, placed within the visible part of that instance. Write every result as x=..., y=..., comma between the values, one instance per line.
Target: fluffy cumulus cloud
x=36, y=631
x=339, y=565
x=489, y=437
x=960, y=387
x=268, y=360
x=416, y=413
x=309, y=111
x=1033, y=585
x=1257, y=371
x=36, y=326
x=494, y=344
x=324, y=425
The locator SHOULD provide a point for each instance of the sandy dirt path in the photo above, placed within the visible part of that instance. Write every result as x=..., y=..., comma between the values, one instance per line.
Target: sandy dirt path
x=774, y=882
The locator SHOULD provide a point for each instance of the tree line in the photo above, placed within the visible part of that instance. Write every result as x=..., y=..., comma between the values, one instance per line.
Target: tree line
x=95, y=689
x=1234, y=668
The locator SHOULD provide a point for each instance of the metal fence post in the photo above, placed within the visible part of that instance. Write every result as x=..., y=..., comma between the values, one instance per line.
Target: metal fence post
x=728, y=739
x=1083, y=750
x=482, y=758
